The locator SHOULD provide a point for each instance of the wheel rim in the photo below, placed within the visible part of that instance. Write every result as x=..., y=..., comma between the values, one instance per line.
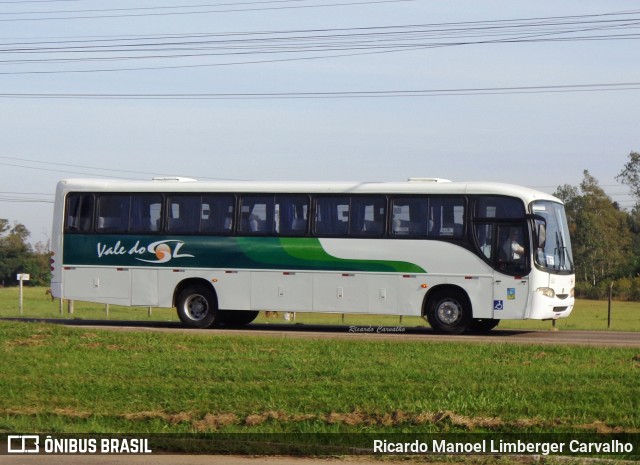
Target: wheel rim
x=449, y=312
x=196, y=307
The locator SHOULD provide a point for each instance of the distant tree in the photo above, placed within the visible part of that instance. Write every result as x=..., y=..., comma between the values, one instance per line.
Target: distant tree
x=630, y=175
x=18, y=256
x=40, y=265
x=4, y=225
x=602, y=238
x=633, y=220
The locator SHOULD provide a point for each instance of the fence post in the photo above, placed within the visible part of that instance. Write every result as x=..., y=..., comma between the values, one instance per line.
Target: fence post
x=21, y=277
x=609, y=308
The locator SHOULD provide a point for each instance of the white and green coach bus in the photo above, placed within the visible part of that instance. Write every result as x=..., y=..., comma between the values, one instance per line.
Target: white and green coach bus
x=462, y=255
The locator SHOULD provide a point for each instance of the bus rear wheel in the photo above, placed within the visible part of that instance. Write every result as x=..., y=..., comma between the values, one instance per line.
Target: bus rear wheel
x=197, y=306
x=449, y=312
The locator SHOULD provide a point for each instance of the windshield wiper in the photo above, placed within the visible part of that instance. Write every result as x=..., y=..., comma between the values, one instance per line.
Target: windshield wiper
x=562, y=253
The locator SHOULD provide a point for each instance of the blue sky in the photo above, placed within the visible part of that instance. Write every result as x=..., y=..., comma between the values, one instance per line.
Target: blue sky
x=533, y=138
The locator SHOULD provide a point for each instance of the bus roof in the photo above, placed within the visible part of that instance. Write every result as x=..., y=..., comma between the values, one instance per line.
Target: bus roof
x=413, y=186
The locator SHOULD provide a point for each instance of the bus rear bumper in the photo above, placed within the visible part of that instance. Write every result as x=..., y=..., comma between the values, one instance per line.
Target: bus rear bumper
x=550, y=308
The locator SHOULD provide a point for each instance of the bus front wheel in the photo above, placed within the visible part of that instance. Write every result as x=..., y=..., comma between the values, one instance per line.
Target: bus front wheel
x=449, y=312
x=197, y=306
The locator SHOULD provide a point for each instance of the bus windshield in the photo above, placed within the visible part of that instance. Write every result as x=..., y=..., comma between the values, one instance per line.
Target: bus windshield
x=553, y=252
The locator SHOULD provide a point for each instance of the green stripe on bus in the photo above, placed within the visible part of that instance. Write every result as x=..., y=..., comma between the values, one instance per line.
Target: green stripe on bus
x=308, y=254
x=217, y=252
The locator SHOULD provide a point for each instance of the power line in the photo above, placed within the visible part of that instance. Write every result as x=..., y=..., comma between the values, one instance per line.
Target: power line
x=607, y=19
x=26, y=197
x=565, y=88
x=18, y=162
x=152, y=11
x=272, y=49
x=298, y=45
x=7, y=2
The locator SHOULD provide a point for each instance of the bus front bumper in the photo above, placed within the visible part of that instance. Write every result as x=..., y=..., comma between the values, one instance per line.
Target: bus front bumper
x=544, y=307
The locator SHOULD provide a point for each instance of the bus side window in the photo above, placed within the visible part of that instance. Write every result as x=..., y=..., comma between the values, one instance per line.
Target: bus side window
x=256, y=215
x=291, y=215
x=499, y=207
x=409, y=217
x=79, y=212
x=184, y=214
x=113, y=213
x=146, y=211
x=217, y=213
x=367, y=216
x=332, y=216
x=446, y=215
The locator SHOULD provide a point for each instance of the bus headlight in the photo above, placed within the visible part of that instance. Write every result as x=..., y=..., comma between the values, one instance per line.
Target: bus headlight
x=546, y=291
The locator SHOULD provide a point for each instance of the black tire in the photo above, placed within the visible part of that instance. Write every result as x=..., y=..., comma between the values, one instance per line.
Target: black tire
x=197, y=306
x=449, y=312
x=483, y=325
x=236, y=317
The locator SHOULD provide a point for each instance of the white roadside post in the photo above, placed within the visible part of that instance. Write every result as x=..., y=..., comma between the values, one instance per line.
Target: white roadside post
x=22, y=277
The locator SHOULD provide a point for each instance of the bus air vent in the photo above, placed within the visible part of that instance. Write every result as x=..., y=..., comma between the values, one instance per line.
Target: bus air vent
x=173, y=179
x=428, y=180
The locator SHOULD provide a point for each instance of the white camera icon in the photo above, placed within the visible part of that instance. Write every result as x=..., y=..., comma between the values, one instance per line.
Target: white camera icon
x=23, y=444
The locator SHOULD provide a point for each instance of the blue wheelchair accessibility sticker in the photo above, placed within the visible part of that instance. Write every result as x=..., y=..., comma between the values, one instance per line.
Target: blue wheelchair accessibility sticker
x=498, y=305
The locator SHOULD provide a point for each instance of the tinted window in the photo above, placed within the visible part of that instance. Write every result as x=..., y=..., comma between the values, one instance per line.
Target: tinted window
x=332, y=216
x=430, y=217
x=129, y=213
x=184, y=213
x=513, y=249
x=357, y=216
x=501, y=233
x=146, y=213
x=256, y=214
x=499, y=207
x=446, y=217
x=113, y=213
x=205, y=214
x=291, y=215
x=79, y=213
x=218, y=213
x=367, y=216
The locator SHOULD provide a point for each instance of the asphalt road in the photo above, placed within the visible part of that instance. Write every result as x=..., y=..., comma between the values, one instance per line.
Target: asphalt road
x=564, y=337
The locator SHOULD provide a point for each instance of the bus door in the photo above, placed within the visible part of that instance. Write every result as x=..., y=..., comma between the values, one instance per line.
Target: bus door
x=511, y=276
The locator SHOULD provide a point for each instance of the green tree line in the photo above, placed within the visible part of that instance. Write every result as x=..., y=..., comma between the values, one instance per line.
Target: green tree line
x=17, y=255
x=605, y=239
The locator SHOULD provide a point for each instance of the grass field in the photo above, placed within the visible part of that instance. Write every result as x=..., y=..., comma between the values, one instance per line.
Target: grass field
x=79, y=380
x=58, y=379
x=588, y=314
